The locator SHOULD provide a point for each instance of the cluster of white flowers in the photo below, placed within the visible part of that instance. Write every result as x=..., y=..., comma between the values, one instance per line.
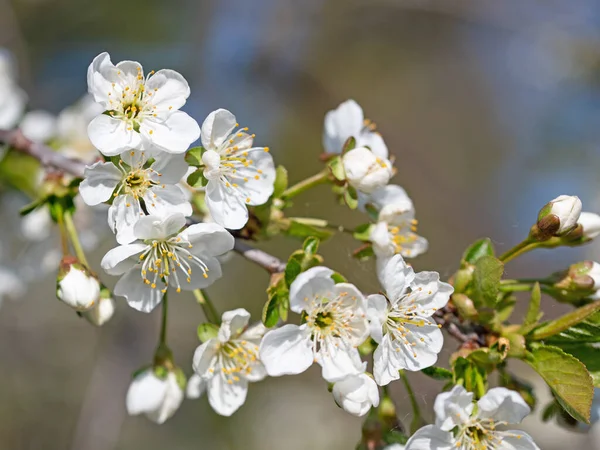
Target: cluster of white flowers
x=369, y=171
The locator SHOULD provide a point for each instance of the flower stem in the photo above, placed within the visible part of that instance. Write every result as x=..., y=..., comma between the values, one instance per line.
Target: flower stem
x=304, y=185
x=210, y=312
x=64, y=240
x=417, y=420
x=523, y=247
x=72, y=232
x=163, y=322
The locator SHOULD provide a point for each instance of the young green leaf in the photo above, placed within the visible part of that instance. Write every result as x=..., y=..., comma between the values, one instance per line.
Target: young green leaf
x=363, y=232
x=437, y=373
x=587, y=330
x=567, y=377
x=486, y=280
x=311, y=245
x=207, y=331
x=363, y=252
x=533, y=312
x=281, y=181
x=477, y=250
x=292, y=269
x=565, y=322
x=589, y=356
x=298, y=228
x=351, y=197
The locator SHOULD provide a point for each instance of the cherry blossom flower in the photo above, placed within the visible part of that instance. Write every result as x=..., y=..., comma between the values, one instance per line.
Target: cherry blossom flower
x=395, y=230
x=347, y=120
x=38, y=126
x=75, y=286
x=163, y=256
x=135, y=186
x=335, y=325
x=158, y=398
x=462, y=424
x=225, y=364
x=12, y=98
x=365, y=171
x=71, y=129
x=565, y=209
x=142, y=112
x=401, y=320
x=238, y=174
x=356, y=394
x=103, y=311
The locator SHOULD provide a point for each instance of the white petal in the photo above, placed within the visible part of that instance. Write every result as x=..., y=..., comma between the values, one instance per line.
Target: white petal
x=365, y=171
x=380, y=237
x=38, y=126
x=233, y=323
x=172, y=168
x=286, y=350
x=257, y=190
x=208, y=239
x=195, y=387
x=515, y=440
x=590, y=223
x=395, y=276
x=356, y=394
x=503, y=405
x=216, y=128
x=385, y=362
x=391, y=195
x=205, y=358
x=453, y=408
x=122, y=258
x=197, y=279
x=12, y=105
x=100, y=180
x=169, y=199
x=341, y=123
x=153, y=227
x=339, y=360
x=145, y=393
x=426, y=342
x=111, y=136
x=374, y=141
x=377, y=313
x=431, y=437
x=171, y=401
x=169, y=90
x=123, y=215
x=429, y=292
x=174, y=135
x=254, y=332
x=139, y=295
x=308, y=284
x=226, y=207
x=98, y=85
x=226, y=398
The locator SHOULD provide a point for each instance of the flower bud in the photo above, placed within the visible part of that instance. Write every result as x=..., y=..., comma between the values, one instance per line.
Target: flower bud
x=356, y=394
x=590, y=222
x=585, y=276
x=365, y=171
x=560, y=216
x=156, y=393
x=76, y=286
x=103, y=311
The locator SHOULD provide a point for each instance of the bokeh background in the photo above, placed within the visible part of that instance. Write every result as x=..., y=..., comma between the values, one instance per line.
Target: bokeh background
x=491, y=108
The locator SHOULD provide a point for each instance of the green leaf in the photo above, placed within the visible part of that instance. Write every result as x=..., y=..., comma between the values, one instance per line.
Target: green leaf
x=281, y=181
x=437, y=373
x=470, y=375
x=27, y=209
x=292, y=269
x=207, y=331
x=589, y=356
x=477, y=250
x=351, y=197
x=568, y=378
x=533, y=312
x=277, y=301
x=194, y=156
x=486, y=280
x=489, y=357
x=337, y=168
x=565, y=322
x=311, y=245
x=197, y=179
x=300, y=229
x=587, y=330
x=363, y=232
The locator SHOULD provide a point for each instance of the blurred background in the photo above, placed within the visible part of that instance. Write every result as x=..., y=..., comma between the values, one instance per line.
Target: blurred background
x=491, y=109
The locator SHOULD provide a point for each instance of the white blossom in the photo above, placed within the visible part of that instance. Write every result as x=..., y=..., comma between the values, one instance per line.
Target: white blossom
x=135, y=186
x=566, y=208
x=238, y=174
x=38, y=126
x=142, y=112
x=11, y=285
x=12, y=98
x=461, y=425
x=224, y=365
x=71, y=129
x=395, y=230
x=366, y=171
x=163, y=256
x=76, y=287
x=347, y=120
x=102, y=312
x=356, y=394
x=401, y=320
x=155, y=397
x=590, y=223
x=335, y=325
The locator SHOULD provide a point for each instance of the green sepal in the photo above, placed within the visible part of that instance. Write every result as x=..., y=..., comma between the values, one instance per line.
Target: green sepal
x=197, y=179
x=302, y=228
x=281, y=181
x=277, y=304
x=161, y=372
x=29, y=208
x=336, y=167
x=363, y=232
x=437, y=373
x=469, y=375
x=350, y=144
x=338, y=278
x=180, y=378
x=207, y=331
x=351, y=197
x=194, y=156
x=364, y=252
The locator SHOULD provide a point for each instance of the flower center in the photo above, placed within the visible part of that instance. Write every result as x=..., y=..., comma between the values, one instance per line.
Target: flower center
x=479, y=434
x=403, y=235
x=324, y=319
x=237, y=358
x=168, y=260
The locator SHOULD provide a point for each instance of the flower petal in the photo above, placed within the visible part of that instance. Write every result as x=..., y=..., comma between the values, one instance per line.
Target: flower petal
x=341, y=123
x=100, y=180
x=98, y=84
x=377, y=313
x=226, y=398
x=431, y=437
x=145, y=393
x=339, y=361
x=260, y=176
x=173, y=135
x=120, y=259
x=197, y=278
x=208, y=239
x=453, y=408
x=308, y=284
x=395, y=276
x=515, y=440
x=286, y=350
x=169, y=199
x=139, y=295
x=195, y=387
x=429, y=292
x=169, y=90
x=391, y=195
x=225, y=205
x=112, y=136
x=205, y=358
x=233, y=323
x=123, y=216
x=385, y=362
x=503, y=405
x=216, y=128
x=374, y=141
x=156, y=227
x=172, y=168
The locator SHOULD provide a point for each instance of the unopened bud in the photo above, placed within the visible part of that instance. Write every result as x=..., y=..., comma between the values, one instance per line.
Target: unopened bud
x=590, y=223
x=581, y=280
x=76, y=286
x=103, y=311
x=559, y=217
x=365, y=171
